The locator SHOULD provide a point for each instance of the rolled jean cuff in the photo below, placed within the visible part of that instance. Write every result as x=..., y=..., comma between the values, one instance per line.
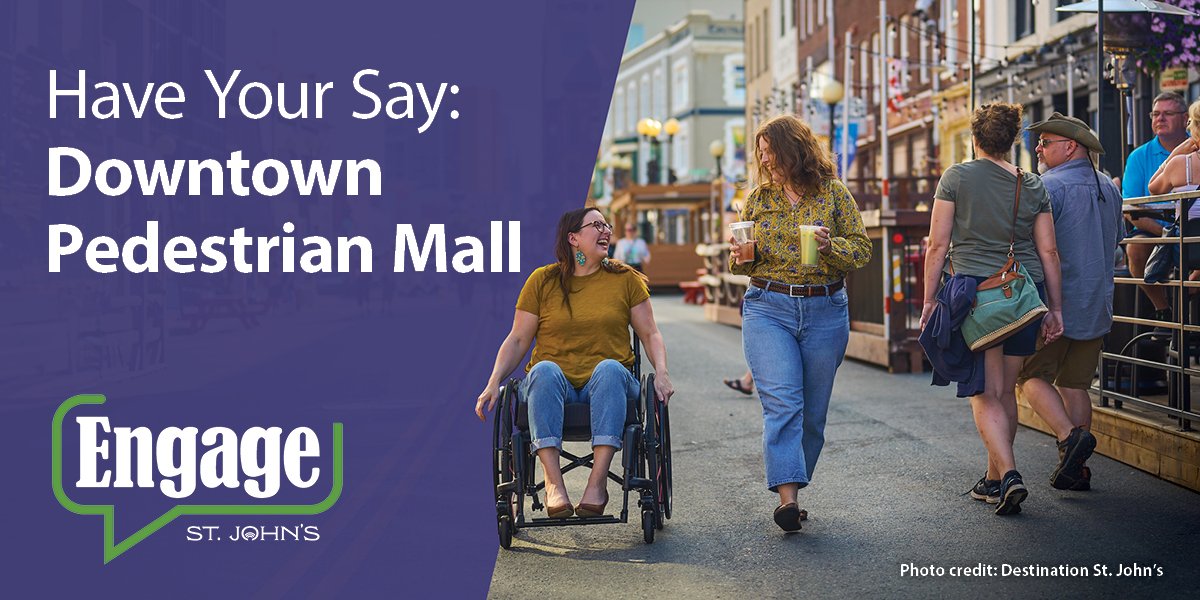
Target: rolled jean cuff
x=606, y=440
x=774, y=485
x=548, y=442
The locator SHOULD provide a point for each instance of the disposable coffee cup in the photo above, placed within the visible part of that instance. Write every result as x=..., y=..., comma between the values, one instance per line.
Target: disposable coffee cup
x=809, y=255
x=743, y=234
x=743, y=231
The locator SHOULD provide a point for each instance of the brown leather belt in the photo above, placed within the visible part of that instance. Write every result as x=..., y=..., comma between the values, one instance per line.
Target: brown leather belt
x=797, y=291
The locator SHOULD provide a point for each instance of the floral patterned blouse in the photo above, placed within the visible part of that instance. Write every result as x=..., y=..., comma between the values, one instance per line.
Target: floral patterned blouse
x=777, y=235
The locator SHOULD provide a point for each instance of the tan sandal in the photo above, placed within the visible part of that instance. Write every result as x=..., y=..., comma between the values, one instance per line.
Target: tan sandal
x=584, y=509
x=560, y=512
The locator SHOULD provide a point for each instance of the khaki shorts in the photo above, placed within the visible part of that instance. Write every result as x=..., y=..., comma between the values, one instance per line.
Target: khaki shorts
x=1065, y=363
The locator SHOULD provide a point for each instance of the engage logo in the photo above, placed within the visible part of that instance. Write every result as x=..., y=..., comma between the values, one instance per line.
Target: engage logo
x=257, y=461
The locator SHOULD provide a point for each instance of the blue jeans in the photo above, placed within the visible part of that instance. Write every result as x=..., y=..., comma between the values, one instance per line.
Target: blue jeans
x=794, y=347
x=547, y=390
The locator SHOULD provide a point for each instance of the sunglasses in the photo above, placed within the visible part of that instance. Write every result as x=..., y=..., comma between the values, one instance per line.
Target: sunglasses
x=1042, y=143
x=599, y=226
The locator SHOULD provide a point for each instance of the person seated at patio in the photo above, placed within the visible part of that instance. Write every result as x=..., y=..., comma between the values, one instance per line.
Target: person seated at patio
x=1167, y=120
x=1181, y=171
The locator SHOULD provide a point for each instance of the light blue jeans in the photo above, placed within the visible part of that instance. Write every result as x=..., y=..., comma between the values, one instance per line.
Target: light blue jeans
x=547, y=390
x=794, y=347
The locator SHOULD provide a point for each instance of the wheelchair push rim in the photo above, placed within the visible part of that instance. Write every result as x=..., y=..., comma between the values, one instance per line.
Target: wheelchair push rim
x=662, y=457
x=505, y=471
x=666, y=487
x=652, y=451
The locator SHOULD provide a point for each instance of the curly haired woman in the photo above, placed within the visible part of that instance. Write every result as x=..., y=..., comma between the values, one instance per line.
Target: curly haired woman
x=795, y=316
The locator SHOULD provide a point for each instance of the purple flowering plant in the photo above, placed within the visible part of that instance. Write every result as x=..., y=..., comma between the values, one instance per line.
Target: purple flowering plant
x=1173, y=41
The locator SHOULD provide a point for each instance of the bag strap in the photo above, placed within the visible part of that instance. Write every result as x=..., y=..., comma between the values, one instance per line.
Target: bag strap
x=1012, y=239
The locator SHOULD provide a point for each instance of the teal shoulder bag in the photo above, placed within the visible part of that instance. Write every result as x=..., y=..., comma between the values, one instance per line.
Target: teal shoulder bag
x=1005, y=302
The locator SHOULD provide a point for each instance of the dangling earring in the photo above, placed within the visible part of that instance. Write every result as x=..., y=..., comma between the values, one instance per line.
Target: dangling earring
x=604, y=261
x=580, y=258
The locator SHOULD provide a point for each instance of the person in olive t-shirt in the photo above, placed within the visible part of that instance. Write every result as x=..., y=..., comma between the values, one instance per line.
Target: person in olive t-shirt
x=579, y=309
x=972, y=222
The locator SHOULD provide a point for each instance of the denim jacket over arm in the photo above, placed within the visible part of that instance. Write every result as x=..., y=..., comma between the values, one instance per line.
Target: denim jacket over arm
x=943, y=341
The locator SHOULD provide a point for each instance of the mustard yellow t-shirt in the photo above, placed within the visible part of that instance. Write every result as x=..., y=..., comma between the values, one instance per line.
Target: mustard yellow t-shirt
x=596, y=328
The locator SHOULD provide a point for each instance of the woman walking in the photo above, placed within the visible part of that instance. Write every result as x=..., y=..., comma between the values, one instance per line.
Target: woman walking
x=807, y=235
x=973, y=223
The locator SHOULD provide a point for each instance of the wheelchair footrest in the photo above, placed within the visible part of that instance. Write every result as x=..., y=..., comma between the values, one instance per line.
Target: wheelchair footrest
x=507, y=487
x=547, y=522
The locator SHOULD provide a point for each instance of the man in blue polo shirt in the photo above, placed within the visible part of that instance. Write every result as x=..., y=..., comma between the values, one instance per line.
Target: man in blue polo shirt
x=1168, y=119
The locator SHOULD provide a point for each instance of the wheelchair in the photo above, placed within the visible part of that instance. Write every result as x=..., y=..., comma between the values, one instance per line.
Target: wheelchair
x=645, y=460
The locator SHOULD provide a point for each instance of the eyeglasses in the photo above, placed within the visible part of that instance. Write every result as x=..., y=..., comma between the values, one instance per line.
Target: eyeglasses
x=1042, y=143
x=600, y=226
x=1165, y=113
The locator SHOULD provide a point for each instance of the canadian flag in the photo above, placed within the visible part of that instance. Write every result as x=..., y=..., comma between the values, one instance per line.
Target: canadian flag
x=895, y=92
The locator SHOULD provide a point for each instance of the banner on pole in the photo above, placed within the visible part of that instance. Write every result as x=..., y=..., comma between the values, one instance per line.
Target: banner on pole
x=851, y=147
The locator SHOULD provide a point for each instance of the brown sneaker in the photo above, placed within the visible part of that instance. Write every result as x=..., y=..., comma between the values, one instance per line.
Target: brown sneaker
x=1084, y=483
x=1072, y=453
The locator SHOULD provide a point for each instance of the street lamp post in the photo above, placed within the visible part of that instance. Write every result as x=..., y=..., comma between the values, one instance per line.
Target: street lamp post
x=649, y=130
x=619, y=167
x=607, y=177
x=717, y=150
x=622, y=167
x=831, y=94
x=671, y=127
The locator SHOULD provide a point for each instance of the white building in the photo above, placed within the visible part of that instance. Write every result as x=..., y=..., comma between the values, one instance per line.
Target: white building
x=693, y=72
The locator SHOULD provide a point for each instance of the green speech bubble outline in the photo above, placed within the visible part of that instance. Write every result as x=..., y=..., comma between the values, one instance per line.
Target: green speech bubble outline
x=112, y=550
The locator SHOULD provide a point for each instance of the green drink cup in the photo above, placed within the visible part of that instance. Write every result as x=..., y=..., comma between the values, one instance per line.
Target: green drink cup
x=809, y=254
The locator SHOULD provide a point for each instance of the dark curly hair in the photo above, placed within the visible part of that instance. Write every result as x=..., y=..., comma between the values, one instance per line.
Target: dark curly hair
x=995, y=127
x=804, y=161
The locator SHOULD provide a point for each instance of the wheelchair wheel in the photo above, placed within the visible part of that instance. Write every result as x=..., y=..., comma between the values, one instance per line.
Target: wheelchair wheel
x=648, y=526
x=505, y=529
x=666, y=487
x=505, y=471
x=658, y=452
x=652, y=451
x=498, y=443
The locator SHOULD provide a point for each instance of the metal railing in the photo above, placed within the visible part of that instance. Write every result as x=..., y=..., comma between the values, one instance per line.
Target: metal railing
x=1180, y=336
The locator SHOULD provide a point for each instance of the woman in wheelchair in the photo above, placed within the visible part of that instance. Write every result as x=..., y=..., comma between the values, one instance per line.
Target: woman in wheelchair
x=579, y=310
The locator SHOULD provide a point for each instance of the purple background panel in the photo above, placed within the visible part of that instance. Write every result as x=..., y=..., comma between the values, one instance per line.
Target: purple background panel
x=397, y=357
